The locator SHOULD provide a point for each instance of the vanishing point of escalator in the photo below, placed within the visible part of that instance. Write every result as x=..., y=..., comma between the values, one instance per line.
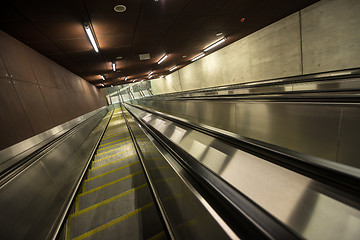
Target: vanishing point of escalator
x=114, y=201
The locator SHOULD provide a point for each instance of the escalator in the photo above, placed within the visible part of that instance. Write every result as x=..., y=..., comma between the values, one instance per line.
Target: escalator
x=114, y=201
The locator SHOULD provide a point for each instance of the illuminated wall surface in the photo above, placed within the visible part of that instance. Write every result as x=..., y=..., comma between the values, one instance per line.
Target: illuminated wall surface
x=320, y=38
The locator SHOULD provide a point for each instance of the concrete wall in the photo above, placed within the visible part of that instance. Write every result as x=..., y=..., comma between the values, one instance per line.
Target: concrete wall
x=37, y=94
x=320, y=38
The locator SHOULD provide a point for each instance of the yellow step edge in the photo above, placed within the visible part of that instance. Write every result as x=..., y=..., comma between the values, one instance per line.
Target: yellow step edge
x=116, y=148
x=109, y=184
x=112, y=145
x=115, y=161
x=114, y=141
x=116, y=145
x=111, y=136
x=113, y=222
x=104, y=174
x=160, y=235
x=107, y=201
x=102, y=159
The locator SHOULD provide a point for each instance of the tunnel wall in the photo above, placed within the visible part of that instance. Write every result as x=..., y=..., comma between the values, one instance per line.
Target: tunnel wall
x=36, y=94
x=320, y=38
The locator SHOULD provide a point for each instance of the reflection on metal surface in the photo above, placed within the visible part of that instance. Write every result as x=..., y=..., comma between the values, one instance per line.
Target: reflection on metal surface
x=18, y=148
x=290, y=125
x=33, y=201
x=312, y=209
x=190, y=216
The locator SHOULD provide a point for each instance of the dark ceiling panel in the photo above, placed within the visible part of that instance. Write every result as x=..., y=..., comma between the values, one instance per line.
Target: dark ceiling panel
x=74, y=46
x=24, y=31
x=114, y=26
x=203, y=8
x=177, y=27
x=62, y=29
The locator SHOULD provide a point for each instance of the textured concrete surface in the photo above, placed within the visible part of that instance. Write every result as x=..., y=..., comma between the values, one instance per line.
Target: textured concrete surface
x=331, y=36
x=322, y=37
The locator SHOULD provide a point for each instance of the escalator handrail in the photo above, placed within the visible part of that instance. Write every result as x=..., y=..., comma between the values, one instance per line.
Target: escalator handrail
x=232, y=205
x=331, y=173
x=40, y=150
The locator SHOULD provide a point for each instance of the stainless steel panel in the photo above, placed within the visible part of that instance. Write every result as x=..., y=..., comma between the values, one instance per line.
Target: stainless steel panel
x=16, y=149
x=349, y=150
x=34, y=106
x=15, y=125
x=23, y=202
x=307, y=128
x=289, y=125
x=312, y=209
x=188, y=216
x=33, y=202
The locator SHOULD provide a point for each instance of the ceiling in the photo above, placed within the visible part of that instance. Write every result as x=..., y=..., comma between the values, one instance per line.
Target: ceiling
x=180, y=28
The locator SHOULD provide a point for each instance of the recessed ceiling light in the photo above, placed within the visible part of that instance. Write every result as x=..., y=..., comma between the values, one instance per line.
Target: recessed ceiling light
x=162, y=59
x=119, y=8
x=91, y=36
x=184, y=56
x=198, y=57
x=219, y=34
x=215, y=44
x=119, y=57
x=173, y=68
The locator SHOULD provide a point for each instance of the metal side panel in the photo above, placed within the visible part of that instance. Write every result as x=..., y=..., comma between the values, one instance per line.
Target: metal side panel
x=32, y=203
x=311, y=208
x=189, y=215
x=310, y=128
x=16, y=152
x=349, y=152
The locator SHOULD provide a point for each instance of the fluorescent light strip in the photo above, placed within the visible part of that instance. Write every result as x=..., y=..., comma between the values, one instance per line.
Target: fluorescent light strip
x=173, y=68
x=197, y=57
x=91, y=37
x=114, y=66
x=162, y=59
x=103, y=78
x=215, y=44
x=125, y=78
x=150, y=73
x=102, y=84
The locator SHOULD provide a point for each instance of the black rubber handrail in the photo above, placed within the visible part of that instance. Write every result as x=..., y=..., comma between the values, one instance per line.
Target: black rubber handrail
x=318, y=77
x=40, y=150
x=245, y=217
x=344, y=178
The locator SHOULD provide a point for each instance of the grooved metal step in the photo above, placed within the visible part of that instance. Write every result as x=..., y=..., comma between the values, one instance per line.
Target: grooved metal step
x=115, y=201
